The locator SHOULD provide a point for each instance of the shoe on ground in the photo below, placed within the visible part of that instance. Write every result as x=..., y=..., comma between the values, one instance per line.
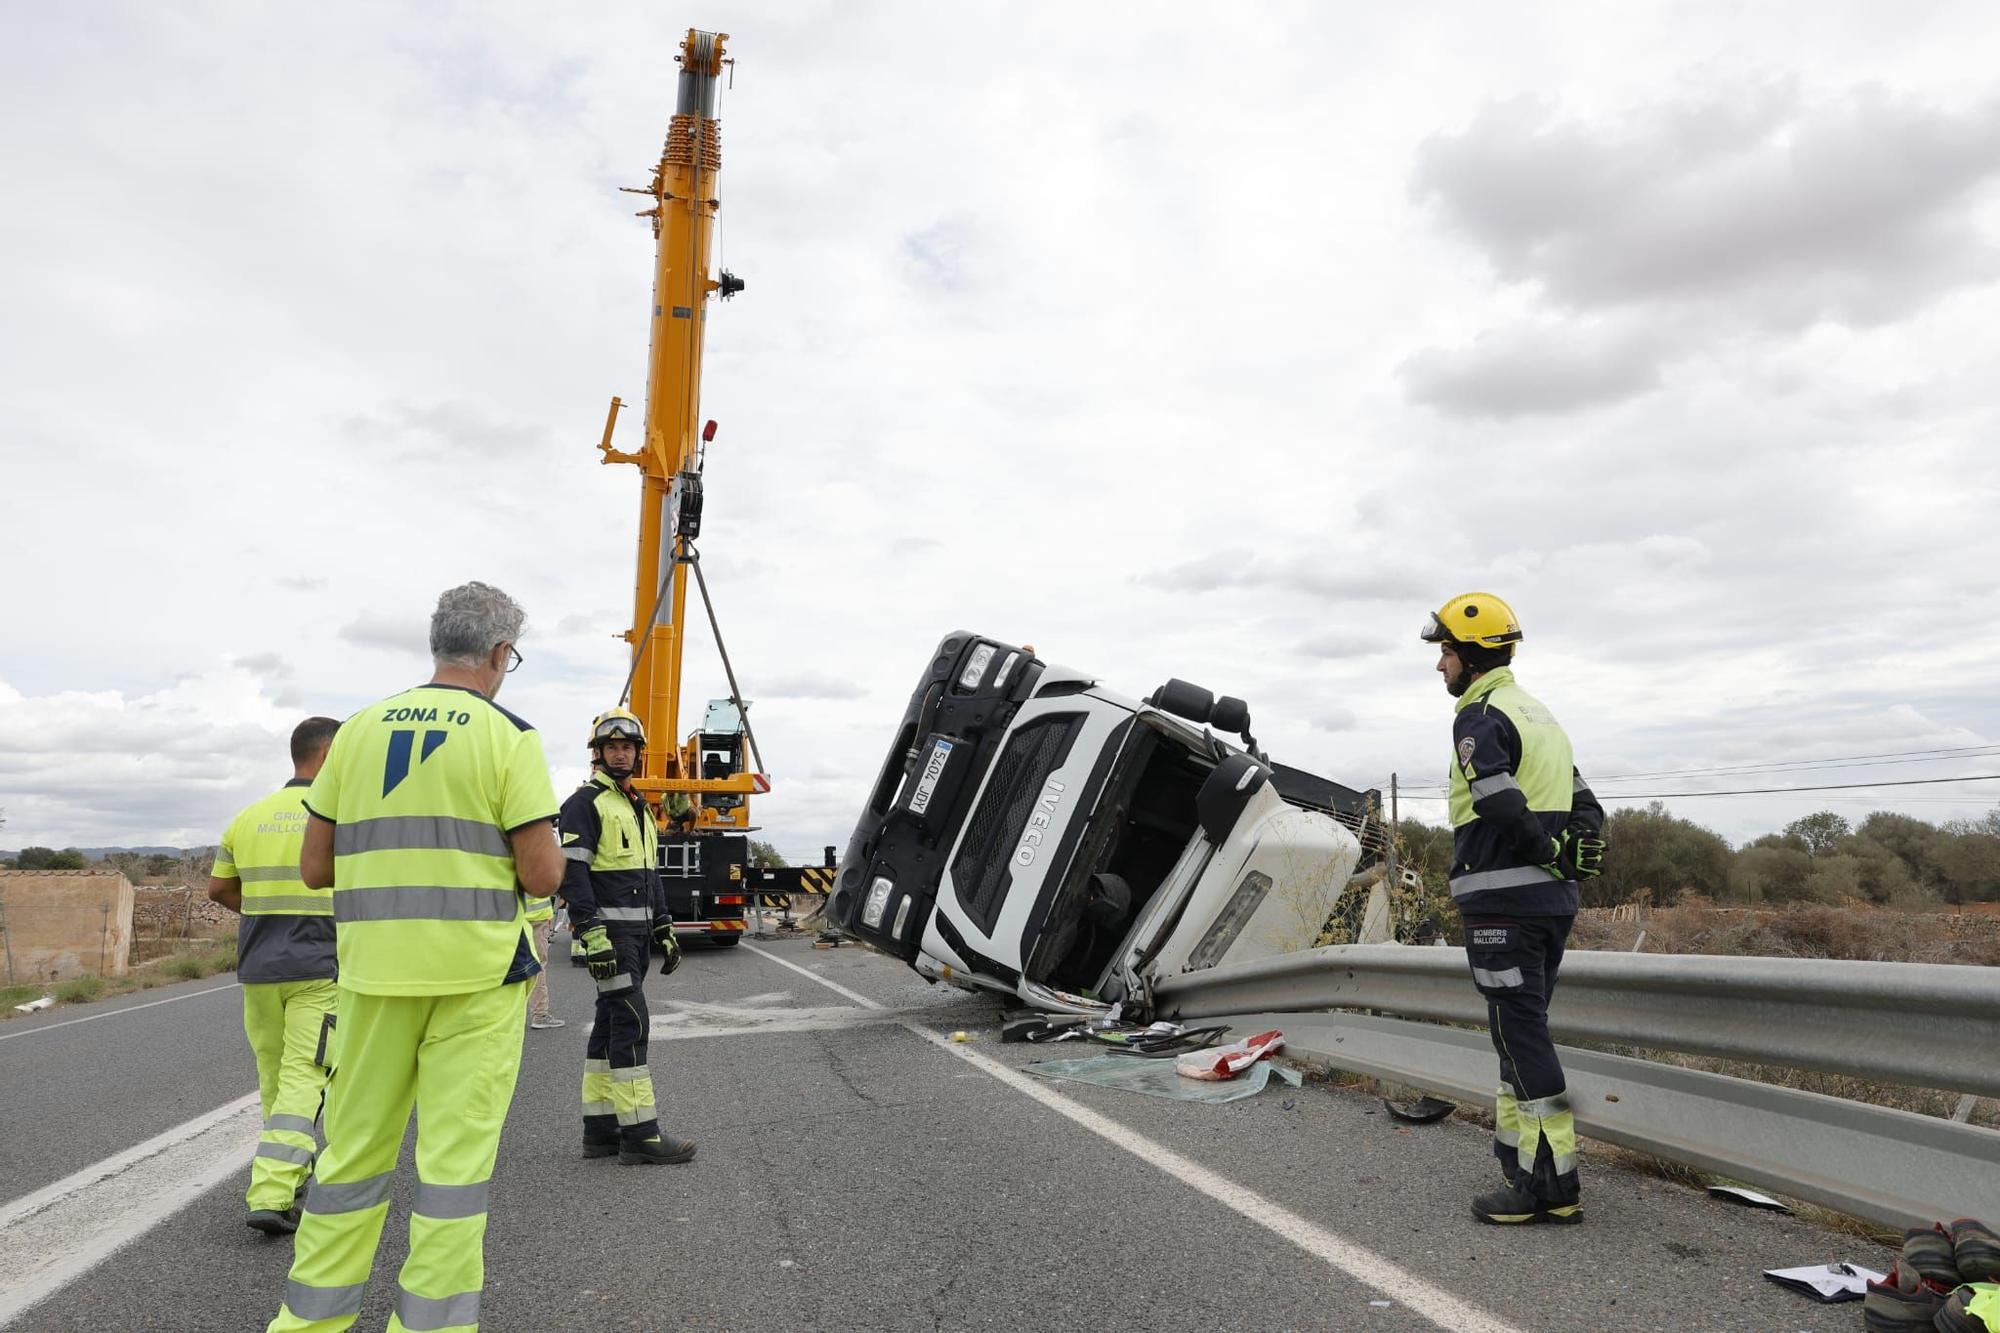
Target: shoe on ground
x=1928, y=1251
x=546, y=1022
x=1976, y=1250
x=1516, y=1207
x=1901, y=1303
x=1957, y=1315
x=665, y=1150
x=272, y=1222
x=594, y=1149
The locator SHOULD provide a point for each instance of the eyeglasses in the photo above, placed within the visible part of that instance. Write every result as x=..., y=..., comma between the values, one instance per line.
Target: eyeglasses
x=513, y=658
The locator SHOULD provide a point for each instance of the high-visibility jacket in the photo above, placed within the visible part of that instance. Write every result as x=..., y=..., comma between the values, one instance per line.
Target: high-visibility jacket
x=286, y=931
x=542, y=909
x=611, y=850
x=1514, y=787
x=423, y=790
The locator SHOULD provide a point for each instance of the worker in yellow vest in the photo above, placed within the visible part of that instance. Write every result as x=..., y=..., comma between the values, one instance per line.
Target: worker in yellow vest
x=1525, y=831
x=285, y=960
x=433, y=822
x=618, y=910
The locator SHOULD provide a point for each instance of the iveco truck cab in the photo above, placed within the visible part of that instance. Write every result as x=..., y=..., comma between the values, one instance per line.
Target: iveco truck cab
x=1034, y=833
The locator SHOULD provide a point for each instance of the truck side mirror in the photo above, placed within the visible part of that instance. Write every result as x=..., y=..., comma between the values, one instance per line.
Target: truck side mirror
x=1183, y=699
x=1226, y=791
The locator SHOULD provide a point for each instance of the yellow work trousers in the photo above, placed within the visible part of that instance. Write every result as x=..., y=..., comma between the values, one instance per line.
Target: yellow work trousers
x=454, y=1058
x=284, y=1021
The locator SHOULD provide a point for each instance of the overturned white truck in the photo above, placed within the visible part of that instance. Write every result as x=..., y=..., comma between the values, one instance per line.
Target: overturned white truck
x=1035, y=834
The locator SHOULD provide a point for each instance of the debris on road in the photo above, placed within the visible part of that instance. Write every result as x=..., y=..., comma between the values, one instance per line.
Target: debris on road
x=1748, y=1198
x=32, y=1005
x=1156, y=1078
x=1826, y=1282
x=1422, y=1111
x=1226, y=1062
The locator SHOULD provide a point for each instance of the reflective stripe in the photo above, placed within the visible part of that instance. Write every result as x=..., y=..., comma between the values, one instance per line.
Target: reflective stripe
x=1579, y=784
x=266, y=874
x=1499, y=782
x=422, y=1313
x=1506, y=1118
x=619, y=982
x=1542, y=1108
x=297, y=1124
x=426, y=903
x=285, y=1152
x=323, y=1302
x=596, y=1066
x=1513, y=878
x=631, y=1075
x=1506, y=980
x=624, y=914
x=287, y=904
x=638, y=1115
x=582, y=854
x=447, y=1201
x=417, y=833
x=349, y=1196
x=598, y=1108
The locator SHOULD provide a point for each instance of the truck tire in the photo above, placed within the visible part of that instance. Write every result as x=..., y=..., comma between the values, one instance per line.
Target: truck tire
x=1183, y=699
x=1230, y=714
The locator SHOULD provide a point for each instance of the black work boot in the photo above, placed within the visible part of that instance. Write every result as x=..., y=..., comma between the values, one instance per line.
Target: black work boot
x=1517, y=1207
x=665, y=1150
x=272, y=1222
x=594, y=1148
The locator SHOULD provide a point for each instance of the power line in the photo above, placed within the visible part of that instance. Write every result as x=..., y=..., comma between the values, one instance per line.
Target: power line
x=1766, y=791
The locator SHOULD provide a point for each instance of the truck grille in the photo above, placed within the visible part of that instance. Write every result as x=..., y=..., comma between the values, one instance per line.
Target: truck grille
x=982, y=869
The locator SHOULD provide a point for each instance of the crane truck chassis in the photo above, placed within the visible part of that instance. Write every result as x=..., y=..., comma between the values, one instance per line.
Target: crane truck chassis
x=1033, y=833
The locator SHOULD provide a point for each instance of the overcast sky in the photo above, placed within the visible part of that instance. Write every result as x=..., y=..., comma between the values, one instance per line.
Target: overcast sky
x=1178, y=340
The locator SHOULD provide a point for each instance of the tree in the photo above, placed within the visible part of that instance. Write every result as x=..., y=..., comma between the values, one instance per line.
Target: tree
x=1969, y=864
x=1652, y=850
x=69, y=858
x=764, y=854
x=1775, y=868
x=35, y=858
x=159, y=863
x=1819, y=832
x=1912, y=840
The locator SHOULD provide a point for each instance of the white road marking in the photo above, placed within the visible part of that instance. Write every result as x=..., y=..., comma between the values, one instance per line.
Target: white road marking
x=113, y=1013
x=684, y=1020
x=60, y=1232
x=1433, y=1302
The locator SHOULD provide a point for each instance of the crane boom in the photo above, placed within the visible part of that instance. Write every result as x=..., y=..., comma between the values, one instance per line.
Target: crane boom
x=683, y=213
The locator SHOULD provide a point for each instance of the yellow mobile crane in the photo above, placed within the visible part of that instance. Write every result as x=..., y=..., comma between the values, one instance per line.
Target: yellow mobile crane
x=700, y=788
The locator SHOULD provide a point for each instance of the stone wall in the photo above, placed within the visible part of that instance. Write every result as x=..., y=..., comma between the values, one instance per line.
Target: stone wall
x=64, y=923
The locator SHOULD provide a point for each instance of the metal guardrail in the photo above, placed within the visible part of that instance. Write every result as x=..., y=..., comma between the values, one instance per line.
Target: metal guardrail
x=1924, y=1025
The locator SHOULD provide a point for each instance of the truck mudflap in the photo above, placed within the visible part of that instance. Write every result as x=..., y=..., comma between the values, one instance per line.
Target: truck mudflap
x=957, y=716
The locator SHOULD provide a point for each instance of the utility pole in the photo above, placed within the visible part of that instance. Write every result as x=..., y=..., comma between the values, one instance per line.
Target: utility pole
x=1394, y=878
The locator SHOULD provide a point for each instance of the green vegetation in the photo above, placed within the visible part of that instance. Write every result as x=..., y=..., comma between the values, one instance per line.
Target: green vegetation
x=189, y=967
x=47, y=858
x=13, y=995
x=78, y=989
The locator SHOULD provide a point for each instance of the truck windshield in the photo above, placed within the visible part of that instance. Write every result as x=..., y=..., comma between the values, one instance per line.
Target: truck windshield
x=1142, y=825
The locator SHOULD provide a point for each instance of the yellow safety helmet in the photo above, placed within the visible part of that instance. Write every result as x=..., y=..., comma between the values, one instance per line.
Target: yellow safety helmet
x=617, y=724
x=1476, y=618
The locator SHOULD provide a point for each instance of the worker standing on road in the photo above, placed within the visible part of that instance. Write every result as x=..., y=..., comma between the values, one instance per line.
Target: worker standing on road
x=1525, y=829
x=541, y=921
x=618, y=910
x=430, y=821
x=285, y=960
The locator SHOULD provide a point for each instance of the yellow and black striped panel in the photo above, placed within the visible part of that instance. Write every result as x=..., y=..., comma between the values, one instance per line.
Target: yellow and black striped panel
x=816, y=879
x=781, y=901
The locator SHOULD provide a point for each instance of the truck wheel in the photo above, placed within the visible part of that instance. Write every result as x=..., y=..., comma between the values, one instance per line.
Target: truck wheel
x=1230, y=714
x=1183, y=699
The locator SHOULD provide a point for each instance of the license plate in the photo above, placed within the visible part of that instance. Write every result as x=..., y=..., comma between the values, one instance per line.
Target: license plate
x=920, y=799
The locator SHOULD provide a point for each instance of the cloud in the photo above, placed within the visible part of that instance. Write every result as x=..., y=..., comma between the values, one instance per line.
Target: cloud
x=440, y=432
x=808, y=685
x=1335, y=719
x=1534, y=367
x=396, y=634
x=1749, y=211
x=263, y=664
x=1331, y=574
x=301, y=583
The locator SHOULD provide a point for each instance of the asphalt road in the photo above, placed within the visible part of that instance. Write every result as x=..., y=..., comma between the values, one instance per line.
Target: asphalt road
x=855, y=1175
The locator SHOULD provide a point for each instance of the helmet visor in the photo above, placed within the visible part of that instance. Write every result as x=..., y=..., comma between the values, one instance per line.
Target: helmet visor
x=617, y=729
x=1434, y=631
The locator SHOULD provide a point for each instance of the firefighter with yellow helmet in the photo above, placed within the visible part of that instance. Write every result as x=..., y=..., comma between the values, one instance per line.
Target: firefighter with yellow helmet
x=618, y=911
x=1525, y=830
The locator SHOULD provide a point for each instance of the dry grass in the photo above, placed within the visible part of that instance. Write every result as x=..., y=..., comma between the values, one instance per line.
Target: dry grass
x=1797, y=930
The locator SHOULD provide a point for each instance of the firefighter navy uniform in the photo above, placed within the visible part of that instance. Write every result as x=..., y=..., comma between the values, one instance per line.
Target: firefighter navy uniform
x=611, y=878
x=285, y=960
x=424, y=790
x=1514, y=792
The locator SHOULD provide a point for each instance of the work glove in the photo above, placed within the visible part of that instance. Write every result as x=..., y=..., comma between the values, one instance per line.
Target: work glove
x=1575, y=854
x=663, y=935
x=598, y=954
